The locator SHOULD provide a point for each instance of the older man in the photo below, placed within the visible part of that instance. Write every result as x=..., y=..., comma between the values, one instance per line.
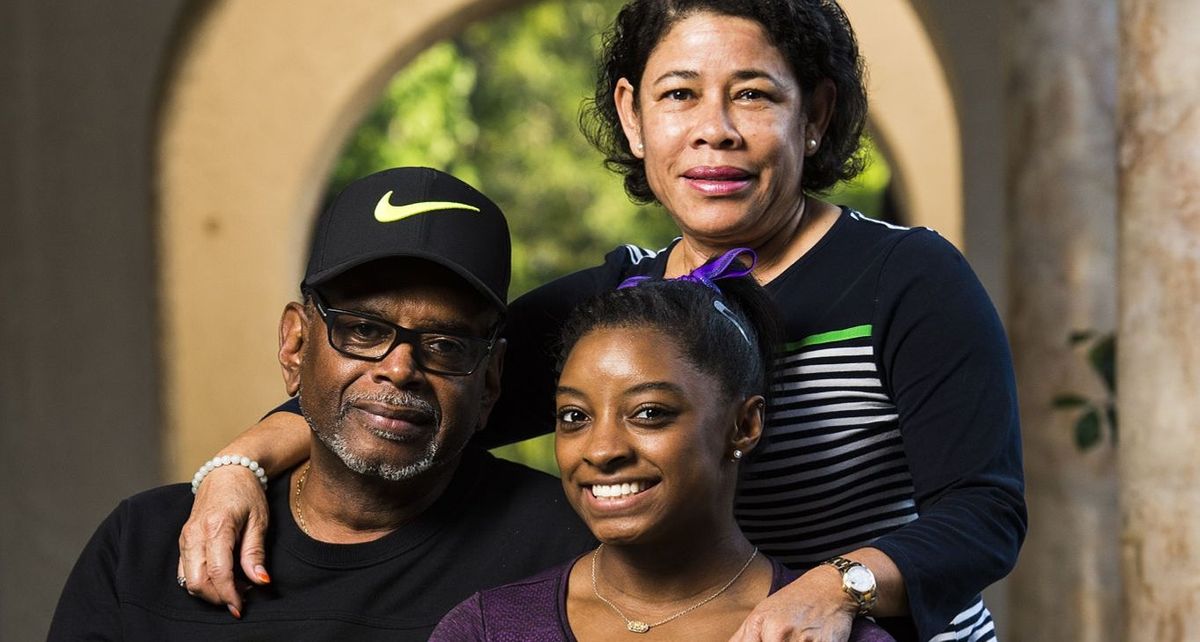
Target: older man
x=394, y=519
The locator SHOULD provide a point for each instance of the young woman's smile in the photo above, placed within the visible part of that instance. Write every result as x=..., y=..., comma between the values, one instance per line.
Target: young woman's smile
x=642, y=436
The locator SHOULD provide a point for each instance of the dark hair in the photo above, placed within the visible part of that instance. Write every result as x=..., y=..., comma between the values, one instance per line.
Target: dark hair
x=814, y=37
x=687, y=312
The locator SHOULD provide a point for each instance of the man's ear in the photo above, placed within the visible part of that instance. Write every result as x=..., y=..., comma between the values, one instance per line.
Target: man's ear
x=491, y=381
x=292, y=335
x=750, y=420
x=625, y=99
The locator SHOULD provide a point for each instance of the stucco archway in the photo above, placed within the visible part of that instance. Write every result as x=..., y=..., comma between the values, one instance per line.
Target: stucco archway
x=261, y=97
x=912, y=113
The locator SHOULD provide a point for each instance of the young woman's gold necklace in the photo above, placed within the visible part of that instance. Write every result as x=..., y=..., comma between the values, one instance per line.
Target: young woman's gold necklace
x=637, y=626
x=299, y=506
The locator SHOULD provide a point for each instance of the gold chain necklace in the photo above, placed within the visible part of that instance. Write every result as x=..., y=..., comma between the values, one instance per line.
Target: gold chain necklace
x=300, y=506
x=638, y=626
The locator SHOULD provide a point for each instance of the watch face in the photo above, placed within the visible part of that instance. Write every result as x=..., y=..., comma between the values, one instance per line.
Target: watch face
x=860, y=579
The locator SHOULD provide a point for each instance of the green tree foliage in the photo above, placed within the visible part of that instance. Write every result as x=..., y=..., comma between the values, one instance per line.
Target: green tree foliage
x=868, y=191
x=1094, y=413
x=565, y=208
x=423, y=118
x=498, y=106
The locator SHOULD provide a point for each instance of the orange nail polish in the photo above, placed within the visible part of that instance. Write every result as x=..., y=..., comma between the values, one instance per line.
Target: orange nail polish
x=234, y=612
x=261, y=573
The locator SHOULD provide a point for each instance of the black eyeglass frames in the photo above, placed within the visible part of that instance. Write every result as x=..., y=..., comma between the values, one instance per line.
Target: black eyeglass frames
x=363, y=336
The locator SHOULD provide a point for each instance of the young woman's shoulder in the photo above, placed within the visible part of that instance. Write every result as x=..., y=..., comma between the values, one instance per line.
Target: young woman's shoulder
x=527, y=609
x=865, y=630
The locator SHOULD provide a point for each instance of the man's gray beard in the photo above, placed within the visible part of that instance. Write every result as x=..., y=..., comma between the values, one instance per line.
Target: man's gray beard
x=334, y=440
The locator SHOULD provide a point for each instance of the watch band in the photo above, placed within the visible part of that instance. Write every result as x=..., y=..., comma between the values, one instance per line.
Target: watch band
x=864, y=598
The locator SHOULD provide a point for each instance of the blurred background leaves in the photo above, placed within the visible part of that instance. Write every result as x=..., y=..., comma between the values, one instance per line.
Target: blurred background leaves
x=1094, y=415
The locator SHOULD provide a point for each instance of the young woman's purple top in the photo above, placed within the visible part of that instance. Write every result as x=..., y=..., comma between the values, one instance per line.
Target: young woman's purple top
x=535, y=610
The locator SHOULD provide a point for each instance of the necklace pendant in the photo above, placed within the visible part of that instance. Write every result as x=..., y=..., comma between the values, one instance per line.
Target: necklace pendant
x=636, y=626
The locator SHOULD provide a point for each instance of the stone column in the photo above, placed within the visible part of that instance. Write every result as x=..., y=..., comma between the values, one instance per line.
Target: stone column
x=1061, y=155
x=79, y=395
x=1158, y=350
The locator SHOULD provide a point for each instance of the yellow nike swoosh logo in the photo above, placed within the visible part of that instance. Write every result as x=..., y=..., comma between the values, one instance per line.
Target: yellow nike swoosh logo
x=385, y=212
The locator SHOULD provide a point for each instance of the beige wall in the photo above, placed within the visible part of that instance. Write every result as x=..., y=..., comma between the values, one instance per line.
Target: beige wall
x=79, y=397
x=912, y=113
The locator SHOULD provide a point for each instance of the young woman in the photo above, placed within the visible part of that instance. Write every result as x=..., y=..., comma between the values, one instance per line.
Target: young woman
x=895, y=442
x=661, y=399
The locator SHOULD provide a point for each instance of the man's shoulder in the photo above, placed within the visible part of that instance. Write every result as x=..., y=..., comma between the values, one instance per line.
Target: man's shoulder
x=499, y=521
x=506, y=491
x=517, y=483
x=167, y=493
x=146, y=525
x=507, y=471
x=160, y=501
x=128, y=560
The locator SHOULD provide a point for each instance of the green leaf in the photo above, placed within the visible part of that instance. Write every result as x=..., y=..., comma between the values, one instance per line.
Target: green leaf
x=1087, y=430
x=1069, y=400
x=1080, y=336
x=1103, y=358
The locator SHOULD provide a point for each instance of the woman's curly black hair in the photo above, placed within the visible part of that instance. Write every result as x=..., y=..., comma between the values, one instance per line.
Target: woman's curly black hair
x=814, y=37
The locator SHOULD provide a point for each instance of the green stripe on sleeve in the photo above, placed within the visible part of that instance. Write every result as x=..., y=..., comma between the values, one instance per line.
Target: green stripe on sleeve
x=857, y=332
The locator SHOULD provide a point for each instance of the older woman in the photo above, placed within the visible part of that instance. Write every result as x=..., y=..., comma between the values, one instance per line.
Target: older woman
x=893, y=446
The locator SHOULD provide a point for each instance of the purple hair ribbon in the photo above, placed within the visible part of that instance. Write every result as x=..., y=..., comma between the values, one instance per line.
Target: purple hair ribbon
x=725, y=266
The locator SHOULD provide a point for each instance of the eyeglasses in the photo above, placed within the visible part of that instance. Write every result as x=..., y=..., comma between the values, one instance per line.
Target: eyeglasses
x=367, y=337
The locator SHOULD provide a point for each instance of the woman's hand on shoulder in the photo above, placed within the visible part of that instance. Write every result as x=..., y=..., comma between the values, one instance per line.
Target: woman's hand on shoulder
x=813, y=608
x=230, y=508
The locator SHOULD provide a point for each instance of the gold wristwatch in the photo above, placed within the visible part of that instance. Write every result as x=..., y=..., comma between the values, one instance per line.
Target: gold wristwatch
x=857, y=581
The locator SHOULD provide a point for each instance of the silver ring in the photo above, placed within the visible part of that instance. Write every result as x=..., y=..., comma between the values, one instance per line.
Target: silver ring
x=181, y=580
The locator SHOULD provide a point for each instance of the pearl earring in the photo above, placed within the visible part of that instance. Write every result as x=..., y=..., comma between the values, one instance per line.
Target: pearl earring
x=640, y=147
x=737, y=454
x=811, y=144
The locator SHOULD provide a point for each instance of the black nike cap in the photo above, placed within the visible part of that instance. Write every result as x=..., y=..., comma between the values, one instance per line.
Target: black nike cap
x=414, y=212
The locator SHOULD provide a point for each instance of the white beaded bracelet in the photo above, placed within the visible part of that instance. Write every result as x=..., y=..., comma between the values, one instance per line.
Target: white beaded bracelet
x=228, y=460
